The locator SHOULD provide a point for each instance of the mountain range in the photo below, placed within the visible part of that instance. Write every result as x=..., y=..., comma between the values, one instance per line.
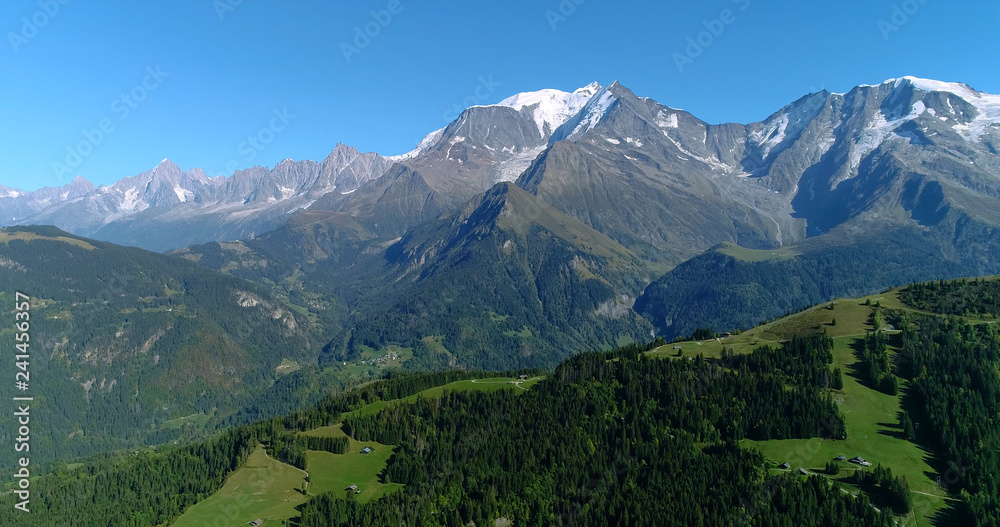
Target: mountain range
x=905, y=149
x=556, y=221
x=166, y=207
x=909, y=163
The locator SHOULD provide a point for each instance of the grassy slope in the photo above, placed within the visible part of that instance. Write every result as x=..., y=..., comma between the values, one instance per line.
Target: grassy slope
x=482, y=385
x=6, y=237
x=263, y=488
x=335, y=472
x=871, y=416
x=753, y=255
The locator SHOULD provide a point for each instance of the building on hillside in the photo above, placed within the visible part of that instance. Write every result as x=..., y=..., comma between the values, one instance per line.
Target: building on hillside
x=366, y=450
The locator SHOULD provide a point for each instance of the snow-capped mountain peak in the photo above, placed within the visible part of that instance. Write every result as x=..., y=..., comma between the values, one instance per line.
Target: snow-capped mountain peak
x=931, y=85
x=970, y=113
x=7, y=192
x=551, y=107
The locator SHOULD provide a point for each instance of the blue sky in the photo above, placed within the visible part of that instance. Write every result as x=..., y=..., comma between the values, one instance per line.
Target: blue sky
x=107, y=89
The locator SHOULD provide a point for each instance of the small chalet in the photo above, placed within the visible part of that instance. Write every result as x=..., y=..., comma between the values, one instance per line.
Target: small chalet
x=352, y=487
x=366, y=450
x=784, y=466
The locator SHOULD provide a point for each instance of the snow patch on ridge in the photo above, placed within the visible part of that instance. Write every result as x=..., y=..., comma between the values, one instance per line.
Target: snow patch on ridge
x=587, y=118
x=131, y=202
x=183, y=194
x=428, y=141
x=512, y=168
x=666, y=121
x=788, y=123
x=877, y=132
x=714, y=164
x=596, y=112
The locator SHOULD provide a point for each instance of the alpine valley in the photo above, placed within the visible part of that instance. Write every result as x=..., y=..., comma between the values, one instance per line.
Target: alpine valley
x=521, y=234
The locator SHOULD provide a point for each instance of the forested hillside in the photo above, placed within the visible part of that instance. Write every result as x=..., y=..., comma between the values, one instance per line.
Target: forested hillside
x=152, y=487
x=731, y=287
x=608, y=439
x=955, y=395
x=127, y=341
x=977, y=298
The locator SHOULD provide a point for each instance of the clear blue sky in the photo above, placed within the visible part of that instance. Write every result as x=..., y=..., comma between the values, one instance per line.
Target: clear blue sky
x=223, y=78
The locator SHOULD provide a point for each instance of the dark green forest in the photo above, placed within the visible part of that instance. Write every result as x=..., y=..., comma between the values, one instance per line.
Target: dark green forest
x=955, y=400
x=958, y=297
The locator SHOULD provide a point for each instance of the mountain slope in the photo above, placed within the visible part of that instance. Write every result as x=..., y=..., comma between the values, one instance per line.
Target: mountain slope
x=653, y=178
x=125, y=340
x=503, y=281
x=730, y=287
